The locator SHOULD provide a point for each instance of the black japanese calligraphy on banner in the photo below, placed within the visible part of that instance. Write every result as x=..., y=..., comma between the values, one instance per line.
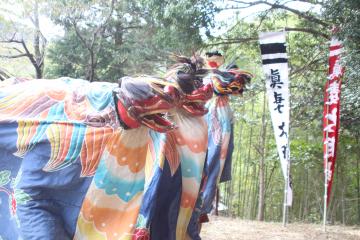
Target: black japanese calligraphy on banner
x=275, y=66
x=275, y=79
x=278, y=101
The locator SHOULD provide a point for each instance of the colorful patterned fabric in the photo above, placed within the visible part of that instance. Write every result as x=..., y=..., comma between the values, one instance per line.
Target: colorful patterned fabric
x=173, y=180
x=111, y=205
x=173, y=200
x=68, y=171
x=219, y=152
x=55, y=135
x=221, y=141
x=115, y=214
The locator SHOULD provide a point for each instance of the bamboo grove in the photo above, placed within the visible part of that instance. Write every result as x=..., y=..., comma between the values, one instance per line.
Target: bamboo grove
x=256, y=191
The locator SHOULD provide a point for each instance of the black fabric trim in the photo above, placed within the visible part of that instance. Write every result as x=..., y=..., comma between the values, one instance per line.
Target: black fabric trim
x=275, y=60
x=121, y=122
x=272, y=48
x=214, y=53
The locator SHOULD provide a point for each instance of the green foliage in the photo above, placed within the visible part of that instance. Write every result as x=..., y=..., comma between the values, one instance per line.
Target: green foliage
x=136, y=39
x=345, y=15
x=179, y=22
x=66, y=58
x=98, y=36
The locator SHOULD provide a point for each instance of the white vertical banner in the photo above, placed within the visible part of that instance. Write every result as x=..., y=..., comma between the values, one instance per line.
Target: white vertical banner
x=275, y=67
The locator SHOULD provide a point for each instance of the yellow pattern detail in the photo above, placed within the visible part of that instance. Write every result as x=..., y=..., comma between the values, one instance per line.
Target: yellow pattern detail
x=53, y=134
x=183, y=222
x=87, y=231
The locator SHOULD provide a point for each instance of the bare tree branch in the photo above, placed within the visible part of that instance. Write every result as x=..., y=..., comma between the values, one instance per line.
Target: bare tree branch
x=11, y=41
x=303, y=68
x=26, y=49
x=78, y=33
x=233, y=41
x=100, y=28
x=308, y=30
x=15, y=49
x=90, y=45
x=255, y=38
x=310, y=1
x=279, y=6
x=262, y=18
x=42, y=49
x=21, y=49
x=30, y=56
x=14, y=56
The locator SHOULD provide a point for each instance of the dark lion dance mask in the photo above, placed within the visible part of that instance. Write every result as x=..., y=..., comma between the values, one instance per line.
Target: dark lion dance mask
x=147, y=100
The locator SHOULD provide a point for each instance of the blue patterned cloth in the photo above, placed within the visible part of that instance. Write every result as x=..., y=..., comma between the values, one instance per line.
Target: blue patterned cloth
x=42, y=178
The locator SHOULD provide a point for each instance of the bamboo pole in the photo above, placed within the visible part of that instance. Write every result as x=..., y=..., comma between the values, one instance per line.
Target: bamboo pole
x=325, y=185
x=326, y=171
x=287, y=182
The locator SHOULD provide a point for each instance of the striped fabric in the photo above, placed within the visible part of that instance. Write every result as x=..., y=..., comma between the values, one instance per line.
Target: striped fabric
x=273, y=49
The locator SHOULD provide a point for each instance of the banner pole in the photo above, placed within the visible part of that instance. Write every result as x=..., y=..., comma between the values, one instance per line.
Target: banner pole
x=326, y=187
x=326, y=172
x=287, y=182
x=325, y=200
x=288, y=159
x=285, y=205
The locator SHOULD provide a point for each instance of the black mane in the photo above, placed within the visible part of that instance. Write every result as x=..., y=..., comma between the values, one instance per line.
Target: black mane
x=187, y=72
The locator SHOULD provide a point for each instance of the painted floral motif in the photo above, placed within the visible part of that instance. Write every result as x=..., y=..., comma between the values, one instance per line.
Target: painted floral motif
x=4, y=177
x=141, y=221
x=4, y=180
x=141, y=234
x=16, y=196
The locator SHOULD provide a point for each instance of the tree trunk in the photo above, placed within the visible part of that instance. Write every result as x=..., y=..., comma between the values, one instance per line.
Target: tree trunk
x=255, y=191
x=228, y=193
x=343, y=207
x=250, y=198
x=358, y=180
x=217, y=202
x=39, y=66
x=118, y=35
x=306, y=195
x=261, y=206
x=248, y=159
x=238, y=162
x=92, y=66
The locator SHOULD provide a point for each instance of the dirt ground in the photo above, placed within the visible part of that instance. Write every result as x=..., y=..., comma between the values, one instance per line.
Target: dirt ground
x=221, y=228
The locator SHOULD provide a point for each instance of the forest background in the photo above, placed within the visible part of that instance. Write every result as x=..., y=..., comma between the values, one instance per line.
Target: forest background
x=103, y=40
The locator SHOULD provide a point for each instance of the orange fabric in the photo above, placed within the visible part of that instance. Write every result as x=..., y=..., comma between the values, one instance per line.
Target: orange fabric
x=126, y=155
x=95, y=139
x=187, y=200
x=196, y=145
x=57, y=95
x=114, y=227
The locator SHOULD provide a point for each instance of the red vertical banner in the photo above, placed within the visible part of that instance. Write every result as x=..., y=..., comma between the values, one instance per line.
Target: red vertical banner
x=331, y=118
